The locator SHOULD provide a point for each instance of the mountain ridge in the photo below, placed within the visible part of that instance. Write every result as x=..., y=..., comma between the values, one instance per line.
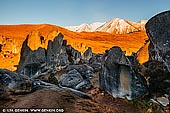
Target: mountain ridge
x=115, y=26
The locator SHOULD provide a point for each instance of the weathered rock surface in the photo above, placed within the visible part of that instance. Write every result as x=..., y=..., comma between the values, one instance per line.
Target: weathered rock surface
x=71, y=79
x=15, y=83
x=157, y=76
x=84, y=85
x=31, y=60
x=158, y=68
x=158, y=31
x=74, y=56
x=87, y=55
x=85, y=70
x=118, y=78
x=3, y=94
x=96, y=62
x=57, y=57
x=35, y=40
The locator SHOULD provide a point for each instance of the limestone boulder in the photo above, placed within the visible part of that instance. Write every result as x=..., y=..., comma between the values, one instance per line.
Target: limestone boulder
x=71, y=79
x=157, y=69
x=158, y=31
x=118, y=78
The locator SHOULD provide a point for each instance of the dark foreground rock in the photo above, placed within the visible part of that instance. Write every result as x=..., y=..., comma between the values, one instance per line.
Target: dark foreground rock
x=87, y=55
x=158, y=31
x=85, y=70
x=118, y=78
x=158, y=68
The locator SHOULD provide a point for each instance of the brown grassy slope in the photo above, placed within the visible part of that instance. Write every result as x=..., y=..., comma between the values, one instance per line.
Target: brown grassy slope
x=98, y=41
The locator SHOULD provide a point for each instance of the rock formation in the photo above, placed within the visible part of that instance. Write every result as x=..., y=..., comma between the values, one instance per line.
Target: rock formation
x=157, y=69
x=96, y=62
x=118, y=78
x=71, y=79
x=74, y=56
x=30, y=60
x=87, y=54
x=158, y=31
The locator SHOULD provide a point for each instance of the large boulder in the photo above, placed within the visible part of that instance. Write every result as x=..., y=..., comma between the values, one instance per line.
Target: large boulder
x=158, y=31
x=71, y=79
x=14, y=82
x=157, y=69
x=118, y=78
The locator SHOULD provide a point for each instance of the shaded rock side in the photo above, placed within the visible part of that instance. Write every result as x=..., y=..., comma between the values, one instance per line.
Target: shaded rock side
x=87, y=55
x=54, y=49
x=96, y=62
x=118, y=78
x=57, y=56
x=74, y=56
x=14, y=82
x=158, y=31
x=30, y=60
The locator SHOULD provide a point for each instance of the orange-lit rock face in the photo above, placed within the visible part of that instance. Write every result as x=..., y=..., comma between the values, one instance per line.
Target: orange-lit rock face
x=34, y=40
x=98, y=41
x=143, y=54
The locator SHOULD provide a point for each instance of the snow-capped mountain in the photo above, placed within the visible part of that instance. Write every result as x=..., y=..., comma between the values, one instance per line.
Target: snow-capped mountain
x=85, y=27
x=115, y=25
x=121, y=26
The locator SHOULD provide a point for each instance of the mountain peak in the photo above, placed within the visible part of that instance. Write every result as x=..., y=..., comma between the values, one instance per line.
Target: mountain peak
x=115, y=26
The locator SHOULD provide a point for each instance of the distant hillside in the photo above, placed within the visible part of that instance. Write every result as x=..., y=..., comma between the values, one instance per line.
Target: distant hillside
x=12, y=37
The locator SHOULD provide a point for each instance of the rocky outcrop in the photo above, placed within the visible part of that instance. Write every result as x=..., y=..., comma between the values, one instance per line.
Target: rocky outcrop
x=71, y=79
x=118, y=78
x=157, y=76
x=31, y=60
x=157, y=69
x=74, y=56
x=96, y=62
x=15, y=83
x=87, y=55
x=57, y=57
x=75, y=79
x=158, y=31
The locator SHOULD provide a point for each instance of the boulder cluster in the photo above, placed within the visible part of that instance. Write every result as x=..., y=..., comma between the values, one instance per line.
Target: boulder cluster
x=119, y=75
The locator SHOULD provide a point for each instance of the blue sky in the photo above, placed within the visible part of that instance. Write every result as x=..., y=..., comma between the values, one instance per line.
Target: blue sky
x=75, y=12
